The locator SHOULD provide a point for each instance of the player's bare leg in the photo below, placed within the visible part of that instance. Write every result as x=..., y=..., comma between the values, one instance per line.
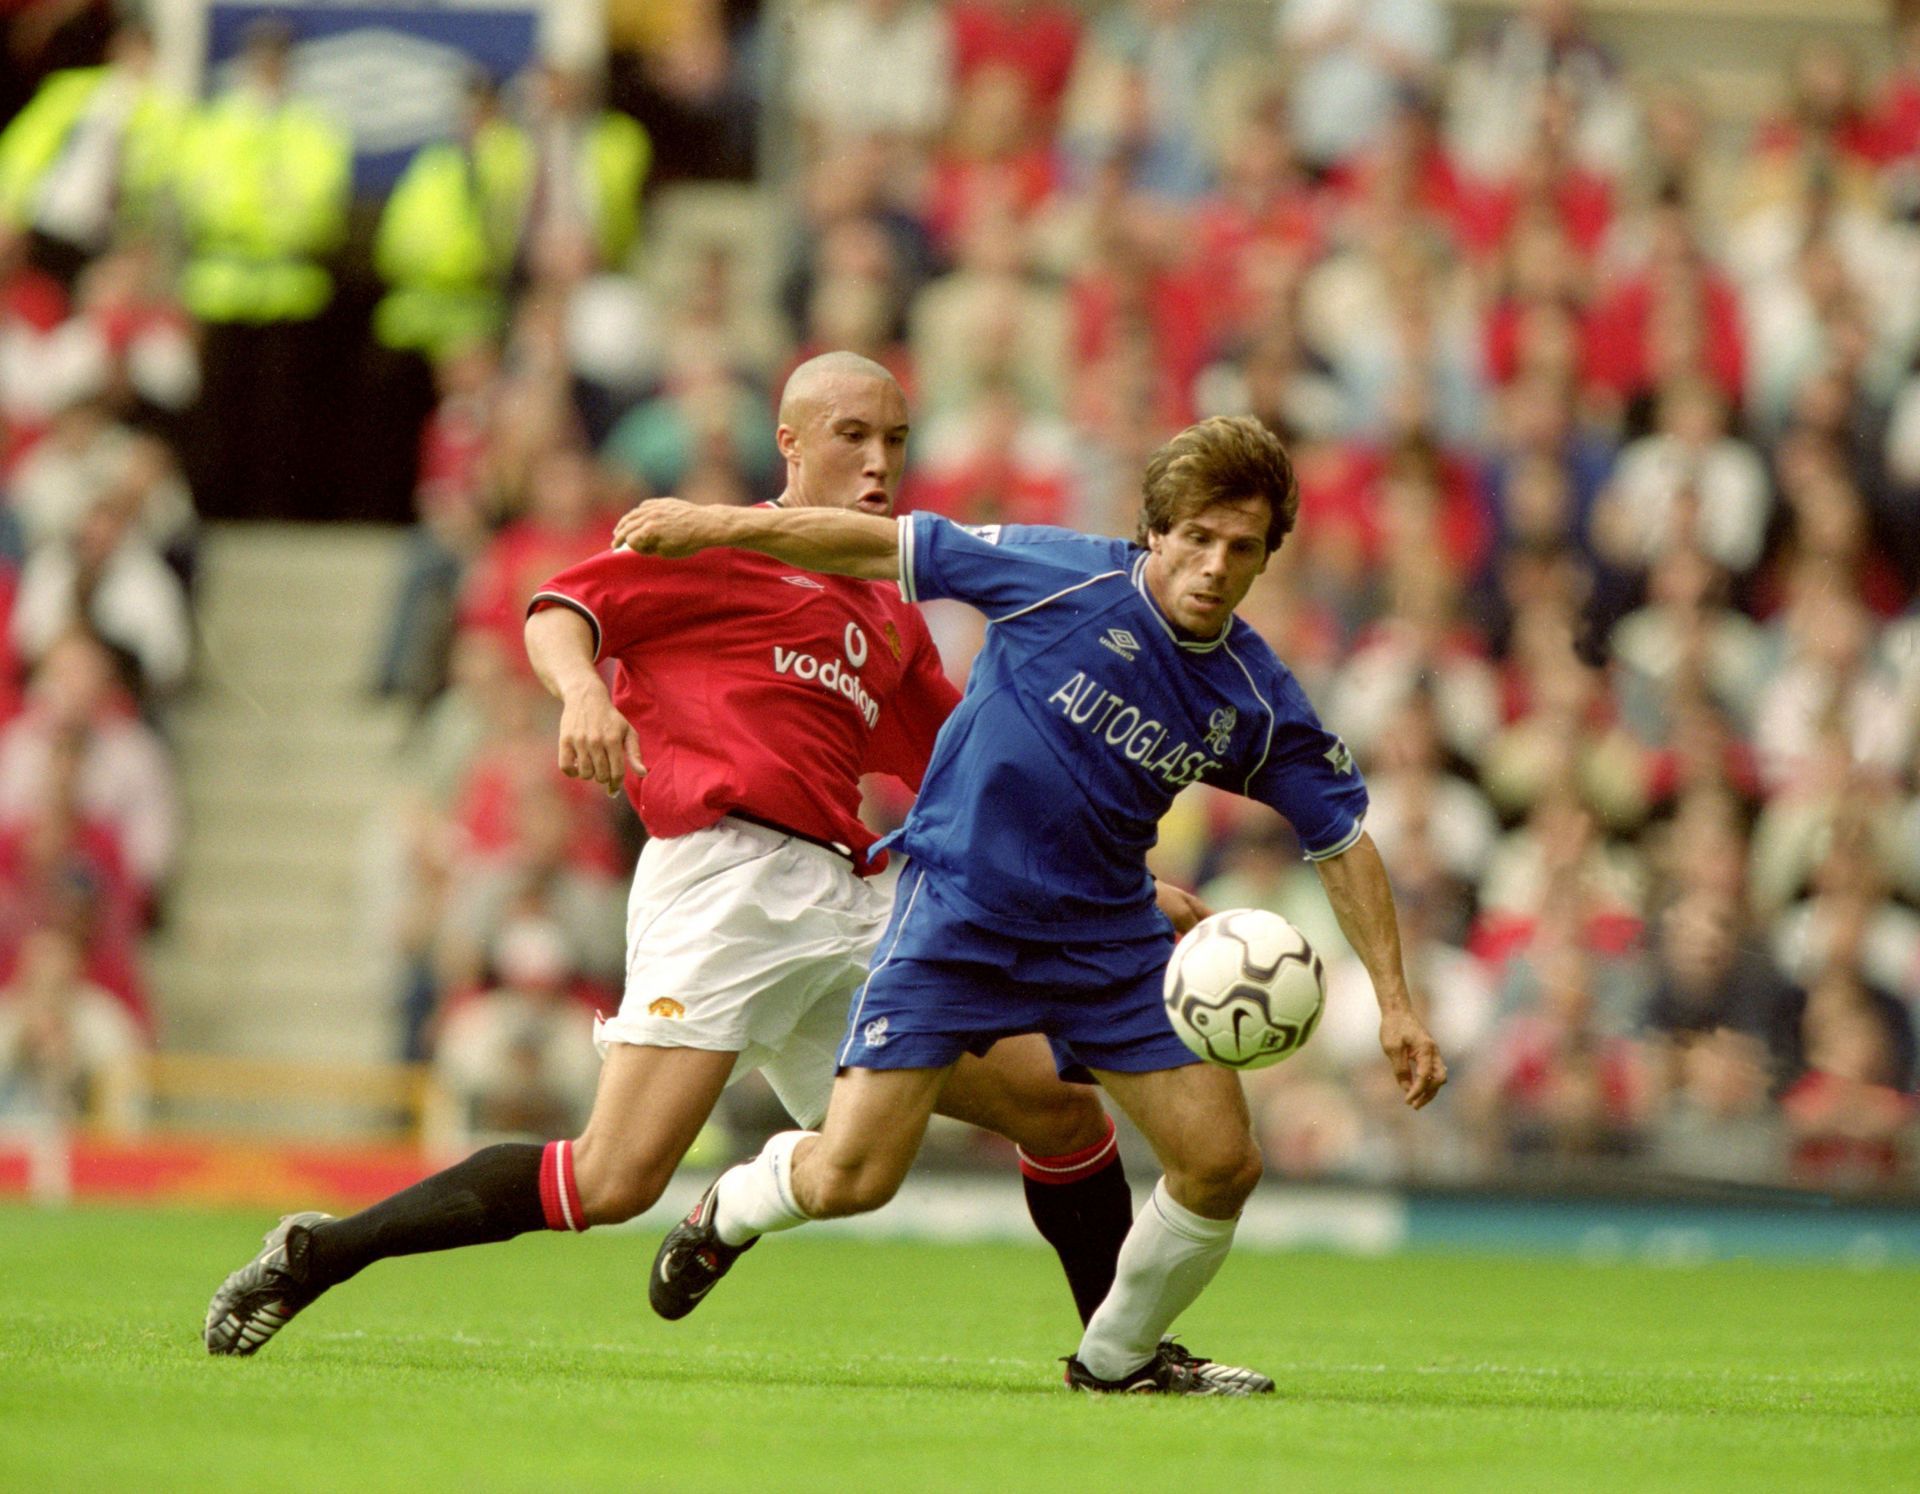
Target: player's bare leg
x=1015, y=1092
x=852, y=1165
x=647, y=1112
x=866, y=1146
x=1196, y=1119
x=1070, y=1169
x=650, y=1106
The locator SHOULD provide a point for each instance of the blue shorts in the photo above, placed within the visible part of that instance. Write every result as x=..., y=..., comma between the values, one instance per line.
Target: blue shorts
x=940, y=987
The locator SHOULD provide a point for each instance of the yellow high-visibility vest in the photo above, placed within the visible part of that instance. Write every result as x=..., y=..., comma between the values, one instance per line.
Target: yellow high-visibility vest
x=263, y=191
x=447, y=240
x=622, y=154
x=30, y=146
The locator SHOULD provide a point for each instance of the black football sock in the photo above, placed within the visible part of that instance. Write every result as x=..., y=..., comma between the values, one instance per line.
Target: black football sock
x=495, y=1194
x=1083, y=1208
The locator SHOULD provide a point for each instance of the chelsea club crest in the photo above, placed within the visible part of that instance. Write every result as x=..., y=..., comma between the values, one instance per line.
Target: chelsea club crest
x=1220, y=730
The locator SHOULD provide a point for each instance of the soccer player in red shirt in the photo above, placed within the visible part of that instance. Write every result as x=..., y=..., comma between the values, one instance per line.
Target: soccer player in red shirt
x=748, y=700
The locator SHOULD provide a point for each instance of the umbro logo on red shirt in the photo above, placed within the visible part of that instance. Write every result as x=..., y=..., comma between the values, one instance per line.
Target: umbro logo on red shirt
x=806, y=581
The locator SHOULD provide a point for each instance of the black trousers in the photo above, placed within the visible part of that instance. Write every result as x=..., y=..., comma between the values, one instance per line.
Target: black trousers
x=255, y=449
x=394, y=395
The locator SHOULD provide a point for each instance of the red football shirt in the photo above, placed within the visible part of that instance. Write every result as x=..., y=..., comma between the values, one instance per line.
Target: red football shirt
x=760, y=688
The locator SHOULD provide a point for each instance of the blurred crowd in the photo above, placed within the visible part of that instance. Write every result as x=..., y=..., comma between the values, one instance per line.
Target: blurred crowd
x=1606, y=412
x=98, y=370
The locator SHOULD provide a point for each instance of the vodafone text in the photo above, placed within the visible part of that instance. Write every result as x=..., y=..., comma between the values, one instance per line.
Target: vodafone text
x=833, y=675
x=1141, y=739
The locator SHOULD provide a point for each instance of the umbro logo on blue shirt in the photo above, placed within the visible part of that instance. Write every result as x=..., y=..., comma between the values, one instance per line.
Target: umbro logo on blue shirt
x=1122, y=643
x=1339, y=757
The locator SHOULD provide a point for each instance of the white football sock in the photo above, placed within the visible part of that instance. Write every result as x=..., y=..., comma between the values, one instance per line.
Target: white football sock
x=1170, y=1255
x=756, y=1198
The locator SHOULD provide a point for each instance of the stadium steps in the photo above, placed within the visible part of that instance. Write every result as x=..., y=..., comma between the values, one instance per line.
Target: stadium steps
x=284, y=760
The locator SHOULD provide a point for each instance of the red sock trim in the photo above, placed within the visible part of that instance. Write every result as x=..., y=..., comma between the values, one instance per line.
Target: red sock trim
x=1073, y=1167
x=559, y=1193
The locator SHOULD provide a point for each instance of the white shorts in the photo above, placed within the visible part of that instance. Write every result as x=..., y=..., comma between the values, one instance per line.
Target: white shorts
x=742, y=939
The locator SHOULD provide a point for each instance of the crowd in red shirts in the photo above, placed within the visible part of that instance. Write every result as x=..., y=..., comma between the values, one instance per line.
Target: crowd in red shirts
x=1609, y=445
x=1605, y=409
x=97, y=551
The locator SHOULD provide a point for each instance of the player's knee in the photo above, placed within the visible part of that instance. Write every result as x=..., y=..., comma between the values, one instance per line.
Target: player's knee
x=1245, y=1174
x=1064, y=1118
x=1218, y=1178
x=830, y=1191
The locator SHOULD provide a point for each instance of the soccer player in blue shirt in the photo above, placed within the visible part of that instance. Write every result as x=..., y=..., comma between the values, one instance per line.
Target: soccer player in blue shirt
x=1113, y=675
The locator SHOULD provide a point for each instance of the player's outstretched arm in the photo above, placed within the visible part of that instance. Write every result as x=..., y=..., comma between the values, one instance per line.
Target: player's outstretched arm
x=833, y=540
x=596, y=741
x=1356, y=883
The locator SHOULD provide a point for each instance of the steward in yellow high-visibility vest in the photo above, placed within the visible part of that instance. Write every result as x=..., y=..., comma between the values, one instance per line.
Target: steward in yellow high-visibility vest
x=588, y=168
x=263, y=188
x=93, y=152
x=263, y=191
x=621, y=155
x=449, y=234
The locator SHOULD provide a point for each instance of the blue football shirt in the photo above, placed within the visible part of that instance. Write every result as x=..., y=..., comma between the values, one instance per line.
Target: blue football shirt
x=1086, y=713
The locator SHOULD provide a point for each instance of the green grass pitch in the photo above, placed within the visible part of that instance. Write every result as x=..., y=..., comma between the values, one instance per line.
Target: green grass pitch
x=837, y=1364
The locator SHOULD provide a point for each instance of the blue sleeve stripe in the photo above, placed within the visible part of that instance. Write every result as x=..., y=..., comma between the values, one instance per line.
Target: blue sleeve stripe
x=1346, y=843
x=909, y=588
x=1272, y=720
x=1064, y=591
x=533, y=605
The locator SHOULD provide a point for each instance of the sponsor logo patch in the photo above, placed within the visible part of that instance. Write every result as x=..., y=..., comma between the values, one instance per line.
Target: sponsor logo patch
x=831, y=675
x=874, y=1034
x=1129, y=731
x=665, y=1006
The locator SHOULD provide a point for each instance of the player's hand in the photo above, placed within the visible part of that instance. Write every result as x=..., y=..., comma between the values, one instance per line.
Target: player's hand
x=666, y=527
x=1182, y=908
x=596, y=741
x=1417, y=1063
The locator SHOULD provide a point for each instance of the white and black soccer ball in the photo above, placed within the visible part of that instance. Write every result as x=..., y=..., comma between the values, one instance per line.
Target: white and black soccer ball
x=1244, y=989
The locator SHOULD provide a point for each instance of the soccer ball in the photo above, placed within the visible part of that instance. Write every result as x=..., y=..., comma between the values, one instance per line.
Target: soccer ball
x=1244, y=989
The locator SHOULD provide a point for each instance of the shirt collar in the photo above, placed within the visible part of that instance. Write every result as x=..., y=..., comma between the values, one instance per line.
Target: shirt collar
x=1191, y=645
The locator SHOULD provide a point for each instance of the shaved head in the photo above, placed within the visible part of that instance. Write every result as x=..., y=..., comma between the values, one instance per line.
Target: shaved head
x=843, y=432
x=808, y=385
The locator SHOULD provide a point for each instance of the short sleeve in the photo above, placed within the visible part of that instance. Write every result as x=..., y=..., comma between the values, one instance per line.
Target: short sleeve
x=999, y=568
x=628, y=598
x=1308, y=775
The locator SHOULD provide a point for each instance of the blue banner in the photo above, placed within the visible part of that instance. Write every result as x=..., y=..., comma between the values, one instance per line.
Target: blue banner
x=393, y=77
